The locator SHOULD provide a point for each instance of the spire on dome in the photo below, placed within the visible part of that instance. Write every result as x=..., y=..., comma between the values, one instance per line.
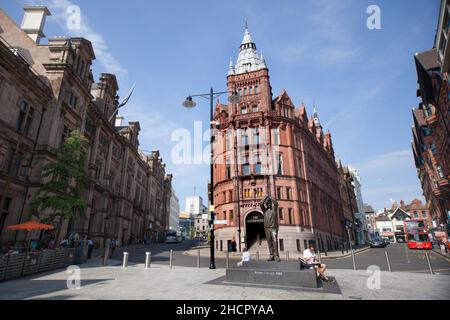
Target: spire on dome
x=247, y=36
x=248, y=59
x=316, y=117
x=263, y=62
x=231, y=68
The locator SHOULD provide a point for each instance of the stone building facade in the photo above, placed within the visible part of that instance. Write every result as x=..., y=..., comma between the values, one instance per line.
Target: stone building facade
x=270, y=146
x=362, y=231
x=174, y=223
x=47, y=91
x=431, y=135
x=370, y=218
x=349, y=204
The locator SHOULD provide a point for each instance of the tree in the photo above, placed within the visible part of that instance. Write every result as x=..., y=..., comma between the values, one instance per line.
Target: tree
x=67, y=180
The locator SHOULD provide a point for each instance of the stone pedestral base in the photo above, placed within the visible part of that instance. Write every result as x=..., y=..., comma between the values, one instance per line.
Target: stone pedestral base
x=282, y=274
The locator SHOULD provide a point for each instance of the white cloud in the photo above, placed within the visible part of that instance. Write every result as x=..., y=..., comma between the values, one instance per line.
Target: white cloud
x=386, y=161
x=60, y=15
x=393, y=191
x=326, y=39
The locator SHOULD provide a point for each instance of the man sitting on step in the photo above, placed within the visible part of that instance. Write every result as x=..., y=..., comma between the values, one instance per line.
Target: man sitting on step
x=245, y=258
x=310, y=262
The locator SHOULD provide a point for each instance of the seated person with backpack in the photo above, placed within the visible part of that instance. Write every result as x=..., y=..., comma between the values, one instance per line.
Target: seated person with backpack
x=309, y=261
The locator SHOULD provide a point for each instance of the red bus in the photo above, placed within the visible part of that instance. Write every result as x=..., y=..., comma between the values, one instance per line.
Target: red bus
x=417, y=234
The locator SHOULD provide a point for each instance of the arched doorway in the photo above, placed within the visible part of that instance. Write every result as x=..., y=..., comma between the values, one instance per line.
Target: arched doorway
x=254, y=228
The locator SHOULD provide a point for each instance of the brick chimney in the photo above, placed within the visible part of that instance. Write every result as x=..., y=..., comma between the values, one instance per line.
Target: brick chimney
x=33, y=21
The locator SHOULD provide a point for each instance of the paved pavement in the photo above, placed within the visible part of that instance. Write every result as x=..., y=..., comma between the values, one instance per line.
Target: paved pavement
x=160, y=282
x=161, y=254
x=263, y=254
x=401, y=258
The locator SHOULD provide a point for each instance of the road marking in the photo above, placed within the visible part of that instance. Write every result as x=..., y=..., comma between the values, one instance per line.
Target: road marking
x=348, y=255
x=438, y=255
x=428, y=270
x=407, y=255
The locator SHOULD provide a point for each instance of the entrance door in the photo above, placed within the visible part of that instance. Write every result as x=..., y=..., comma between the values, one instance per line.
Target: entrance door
x=254, y=228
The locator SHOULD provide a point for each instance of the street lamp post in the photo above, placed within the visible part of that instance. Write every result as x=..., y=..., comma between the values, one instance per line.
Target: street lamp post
x=189, y=103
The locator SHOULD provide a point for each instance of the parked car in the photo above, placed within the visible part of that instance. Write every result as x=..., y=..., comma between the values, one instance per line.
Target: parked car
x=378, y=244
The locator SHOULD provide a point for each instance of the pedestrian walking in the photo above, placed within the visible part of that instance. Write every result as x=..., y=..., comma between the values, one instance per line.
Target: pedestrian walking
x=112, y=247
x=233, y=246
x=443, y=248
x=64, y=243
x=90, y=248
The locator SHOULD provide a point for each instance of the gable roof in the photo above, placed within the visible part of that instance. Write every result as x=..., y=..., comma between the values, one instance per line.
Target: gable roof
x=428, y=59
x=399, y=212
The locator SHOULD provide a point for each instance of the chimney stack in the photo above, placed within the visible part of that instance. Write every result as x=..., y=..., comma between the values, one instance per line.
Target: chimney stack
x=119, y=120
x=33, y=22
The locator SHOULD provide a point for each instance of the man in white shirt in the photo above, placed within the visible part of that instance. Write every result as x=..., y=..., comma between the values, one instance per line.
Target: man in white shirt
x=245, y=258
x=310, y=257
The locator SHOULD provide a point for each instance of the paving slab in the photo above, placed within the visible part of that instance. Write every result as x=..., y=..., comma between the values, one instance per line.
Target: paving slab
x=162, y=283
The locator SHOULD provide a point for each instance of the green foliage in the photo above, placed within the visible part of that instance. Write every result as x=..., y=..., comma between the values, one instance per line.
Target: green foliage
x=63, y=191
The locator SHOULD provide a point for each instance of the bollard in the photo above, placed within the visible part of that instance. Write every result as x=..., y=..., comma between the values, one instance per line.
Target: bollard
x=125, y=260
x=228, y=260
x=106, y=255
x=198, y=258
x=388, y=262
x=257, y=255
x=429, y=263
x=170, y=259
x=148, y=258
x=353, y=259
x=287, y=255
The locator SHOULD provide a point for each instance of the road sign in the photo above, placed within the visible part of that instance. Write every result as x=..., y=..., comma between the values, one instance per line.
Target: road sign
x=220, y=222
x=211, y=208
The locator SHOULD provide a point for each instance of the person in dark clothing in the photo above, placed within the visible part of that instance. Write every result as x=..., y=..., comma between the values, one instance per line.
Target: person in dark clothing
x=90, y=248
x=112, y=247
x=233, y=246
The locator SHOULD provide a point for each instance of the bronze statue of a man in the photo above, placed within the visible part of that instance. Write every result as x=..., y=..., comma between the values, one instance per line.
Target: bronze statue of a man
x=269, y=206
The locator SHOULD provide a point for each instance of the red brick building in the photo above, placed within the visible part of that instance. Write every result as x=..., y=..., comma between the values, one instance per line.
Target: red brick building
x=270, y=146
x=431, y=135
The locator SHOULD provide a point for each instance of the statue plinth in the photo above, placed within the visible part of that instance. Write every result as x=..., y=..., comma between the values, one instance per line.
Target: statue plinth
x=277, y=274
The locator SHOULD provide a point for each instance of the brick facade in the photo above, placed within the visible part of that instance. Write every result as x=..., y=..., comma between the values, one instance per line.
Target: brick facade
x=270, y=146
x=431, y=135
x=46, y=92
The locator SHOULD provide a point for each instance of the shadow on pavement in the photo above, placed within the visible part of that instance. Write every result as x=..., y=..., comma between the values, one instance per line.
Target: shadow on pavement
x=29, y=288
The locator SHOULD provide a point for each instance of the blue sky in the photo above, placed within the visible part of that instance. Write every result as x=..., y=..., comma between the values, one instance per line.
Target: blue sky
x=362, y=81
